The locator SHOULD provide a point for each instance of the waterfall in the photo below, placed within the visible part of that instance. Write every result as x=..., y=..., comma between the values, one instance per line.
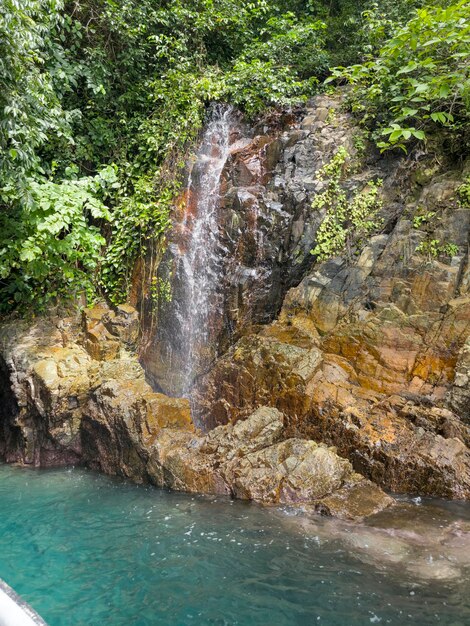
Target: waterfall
x=200, y=305
x=241, y=237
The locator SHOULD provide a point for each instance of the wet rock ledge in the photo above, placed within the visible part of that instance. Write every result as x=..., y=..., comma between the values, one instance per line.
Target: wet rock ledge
x=73, y=392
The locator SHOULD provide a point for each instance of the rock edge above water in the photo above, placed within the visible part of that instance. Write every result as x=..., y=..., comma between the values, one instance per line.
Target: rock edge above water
x=76, y=394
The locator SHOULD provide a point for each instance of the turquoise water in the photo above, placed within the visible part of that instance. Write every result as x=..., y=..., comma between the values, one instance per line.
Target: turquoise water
x=84, y=549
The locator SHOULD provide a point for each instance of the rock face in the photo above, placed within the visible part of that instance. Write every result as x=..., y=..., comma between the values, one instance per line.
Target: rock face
x=266, y=229
x=365, y=368
x=370, y=353
x=459, y=394
x=76, y=394
x=61, y=382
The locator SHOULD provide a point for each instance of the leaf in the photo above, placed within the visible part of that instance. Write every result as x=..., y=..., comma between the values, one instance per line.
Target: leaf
x=395, y=135
x=412, y=65
x=421, y=87
x=408, y=112
x=444, y=90
x=439, y=117
x=27, y=255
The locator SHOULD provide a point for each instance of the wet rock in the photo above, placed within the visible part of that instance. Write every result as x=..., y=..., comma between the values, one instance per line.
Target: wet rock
x=124, y=325
x=370, y=354
x=355, y=501
x=67, y=407
x=106, y=330
x=291, y=472
x=264, y=428
x=176, y=462
x=99, y=342
x=43, y=387
x=459, y=394
x=51, y=371
x=122, y=420
x=266, y=231
x=262, y=369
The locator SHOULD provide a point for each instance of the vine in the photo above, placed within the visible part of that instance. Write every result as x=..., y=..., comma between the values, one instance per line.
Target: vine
x=348, y=221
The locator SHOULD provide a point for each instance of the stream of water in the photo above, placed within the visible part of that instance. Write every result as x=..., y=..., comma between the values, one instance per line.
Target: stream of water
x=85, y=549
x=202, y=261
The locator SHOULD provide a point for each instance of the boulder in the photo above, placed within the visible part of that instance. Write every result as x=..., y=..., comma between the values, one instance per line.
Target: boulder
x=291, y=472
x=122, y=420
x=249, y=460
x=65, y=402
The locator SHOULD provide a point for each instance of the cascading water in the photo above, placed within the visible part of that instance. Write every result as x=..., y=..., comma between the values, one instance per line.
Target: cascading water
x=198, y=301
x=230, y=255
x=190, y=325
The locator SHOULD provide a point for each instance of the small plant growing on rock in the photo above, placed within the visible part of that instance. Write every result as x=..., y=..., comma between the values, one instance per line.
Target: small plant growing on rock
x=463, y=193
x=423, y=219
x=348, y=221
x=359, y=141
x=160, y=290
x=434, y=248
x=332, y=117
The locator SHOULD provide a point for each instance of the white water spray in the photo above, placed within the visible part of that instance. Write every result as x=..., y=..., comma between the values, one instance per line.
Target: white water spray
x=202, y=267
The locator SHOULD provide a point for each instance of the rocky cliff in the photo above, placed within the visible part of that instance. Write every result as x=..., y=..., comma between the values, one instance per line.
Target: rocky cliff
x=265, y=232
x=370, y=351
x=327, y=380
x=76, y=394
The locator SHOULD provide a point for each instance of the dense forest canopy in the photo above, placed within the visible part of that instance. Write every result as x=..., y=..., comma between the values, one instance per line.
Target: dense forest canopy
x=100, y=100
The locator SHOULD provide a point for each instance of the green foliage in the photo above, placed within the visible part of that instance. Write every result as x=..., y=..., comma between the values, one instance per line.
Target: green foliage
x=431, y=247
x=139, y=217
x=102, y=101
x=160, y=290
x=423, y=219
x=54, y=248
x=359, y=140
x=280, y=65
x=463, y=193
x=256, y=84
x=419, y=80
x=89, y=83
x=348, y=220
x=30, y=105
x=357, y=30
x=435, y=249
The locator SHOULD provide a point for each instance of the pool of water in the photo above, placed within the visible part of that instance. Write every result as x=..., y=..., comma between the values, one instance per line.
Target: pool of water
x=85, y=549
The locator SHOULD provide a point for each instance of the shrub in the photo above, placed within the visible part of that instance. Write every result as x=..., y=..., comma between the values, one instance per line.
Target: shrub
x=53, y=247
x=419, y=80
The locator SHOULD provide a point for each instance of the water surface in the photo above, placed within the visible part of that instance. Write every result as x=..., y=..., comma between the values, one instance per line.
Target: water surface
x=85, y=549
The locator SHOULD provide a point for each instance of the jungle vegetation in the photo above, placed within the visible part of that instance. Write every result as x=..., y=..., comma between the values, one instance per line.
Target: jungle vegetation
x=101, y=100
